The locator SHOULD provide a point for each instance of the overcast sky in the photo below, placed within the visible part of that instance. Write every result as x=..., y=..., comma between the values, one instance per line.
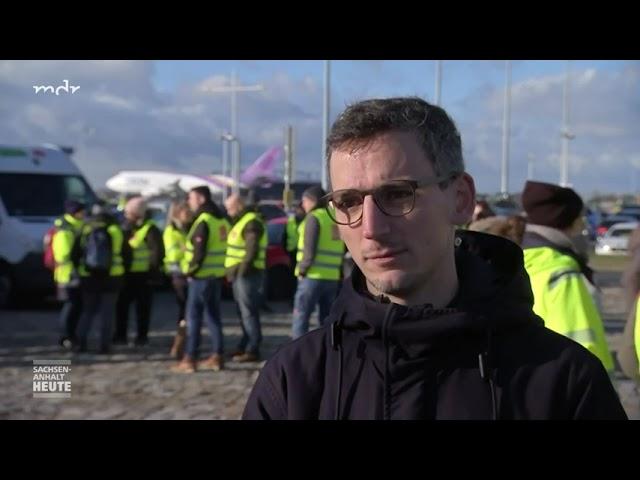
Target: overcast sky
x=155, y=114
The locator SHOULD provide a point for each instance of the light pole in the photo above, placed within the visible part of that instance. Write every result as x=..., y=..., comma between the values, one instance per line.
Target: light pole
x=287, y=194
x=504, y=184
x=225, y=153
x=234, y=88
x=233, y=144
x=325, y=119
x=530, y=166
x=566, y=133
x=438, y=81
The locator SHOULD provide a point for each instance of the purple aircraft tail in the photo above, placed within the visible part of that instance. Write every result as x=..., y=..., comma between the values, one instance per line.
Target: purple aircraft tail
x=261, y=171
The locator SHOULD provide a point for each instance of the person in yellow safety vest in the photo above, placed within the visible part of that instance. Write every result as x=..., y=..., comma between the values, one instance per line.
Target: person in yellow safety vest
x=68, y=229
x=122, y=202
x=245, y=266
x=174, y=237
x=319, y=262
x=558, y=273
x=99, y=288
x=294, y=220
x=143, y=270
x=637, y=342
x=629, y=350
x=203, y=265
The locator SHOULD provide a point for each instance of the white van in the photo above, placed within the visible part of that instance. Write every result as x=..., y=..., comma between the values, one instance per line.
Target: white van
x=35, y=182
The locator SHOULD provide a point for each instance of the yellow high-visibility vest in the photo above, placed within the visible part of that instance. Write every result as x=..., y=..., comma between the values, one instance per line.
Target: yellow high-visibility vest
x=117, y=240
x=213, y=263
x=68, y=229
x=140, y=251
x=236, y=245
x=563, y=301
x=327, y=262
x=292, y=233
x=637, y=334
x=175, y=241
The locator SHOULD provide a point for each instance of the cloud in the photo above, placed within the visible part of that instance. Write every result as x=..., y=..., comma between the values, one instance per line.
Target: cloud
x=119, y=120
x=114, y=101
x=604, y=116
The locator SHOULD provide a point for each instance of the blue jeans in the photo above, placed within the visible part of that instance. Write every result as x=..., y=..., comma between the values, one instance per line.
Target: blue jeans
x=309, y=293
x=203, y=300
x=247, y=292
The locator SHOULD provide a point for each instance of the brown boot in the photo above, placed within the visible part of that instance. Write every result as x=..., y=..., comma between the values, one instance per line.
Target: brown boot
x=186, y=365
x=214, y=362
x=177, y=349
x=246, y=357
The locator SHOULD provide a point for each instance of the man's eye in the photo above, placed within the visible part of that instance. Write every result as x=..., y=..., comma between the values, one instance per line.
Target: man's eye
x=395, y=194
x=347, y=202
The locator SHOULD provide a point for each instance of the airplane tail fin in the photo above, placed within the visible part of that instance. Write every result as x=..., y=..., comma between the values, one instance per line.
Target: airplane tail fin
x=262, y=170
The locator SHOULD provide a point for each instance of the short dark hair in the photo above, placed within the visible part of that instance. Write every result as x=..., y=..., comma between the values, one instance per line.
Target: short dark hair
x=204, y=191
x=362, y=121
x=315, y=194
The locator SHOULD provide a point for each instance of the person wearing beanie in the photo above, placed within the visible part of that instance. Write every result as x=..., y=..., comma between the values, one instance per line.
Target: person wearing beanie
x=319, y=260
x=560, y=278
x=143, y=257
x=66, y=231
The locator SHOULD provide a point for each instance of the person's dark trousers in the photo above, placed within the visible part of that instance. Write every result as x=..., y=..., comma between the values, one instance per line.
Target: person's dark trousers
x=247, y=292
x=264, y=290
x=179, y=284
x=137, y=289
x=203, y=300
x=294, y=282
x=98, y=304
x=71, y=310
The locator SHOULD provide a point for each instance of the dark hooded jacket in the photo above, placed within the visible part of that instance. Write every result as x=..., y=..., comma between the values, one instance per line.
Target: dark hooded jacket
x=486, y=356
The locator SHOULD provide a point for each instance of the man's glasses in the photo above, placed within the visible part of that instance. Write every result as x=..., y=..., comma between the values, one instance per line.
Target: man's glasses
x=395, y=199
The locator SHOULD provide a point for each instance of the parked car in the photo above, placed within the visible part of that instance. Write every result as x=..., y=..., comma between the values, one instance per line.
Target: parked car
x=280, y=282
x=271, y=210
x=630, y=211
x=35, y=182
x=616, y=240
x=280, y=278
x=610, y=220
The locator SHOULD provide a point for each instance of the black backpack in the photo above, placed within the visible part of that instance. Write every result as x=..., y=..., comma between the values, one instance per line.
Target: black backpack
x=98, y=250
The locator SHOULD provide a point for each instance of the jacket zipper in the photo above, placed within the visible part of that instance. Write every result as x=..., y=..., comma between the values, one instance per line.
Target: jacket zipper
x=387, y=387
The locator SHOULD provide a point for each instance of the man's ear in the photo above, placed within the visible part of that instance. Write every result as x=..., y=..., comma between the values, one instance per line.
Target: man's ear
x=464, y=192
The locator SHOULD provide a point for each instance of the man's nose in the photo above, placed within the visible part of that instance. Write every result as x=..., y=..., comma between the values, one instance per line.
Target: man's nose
x=375, y=224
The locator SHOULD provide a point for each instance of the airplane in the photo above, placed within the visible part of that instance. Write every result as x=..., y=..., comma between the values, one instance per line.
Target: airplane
x=149, y=183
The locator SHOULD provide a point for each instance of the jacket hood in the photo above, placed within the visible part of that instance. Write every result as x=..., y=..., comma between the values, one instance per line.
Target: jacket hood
x=211, y=208
x=485, y=356
x=494, y=295
x=550, y=248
